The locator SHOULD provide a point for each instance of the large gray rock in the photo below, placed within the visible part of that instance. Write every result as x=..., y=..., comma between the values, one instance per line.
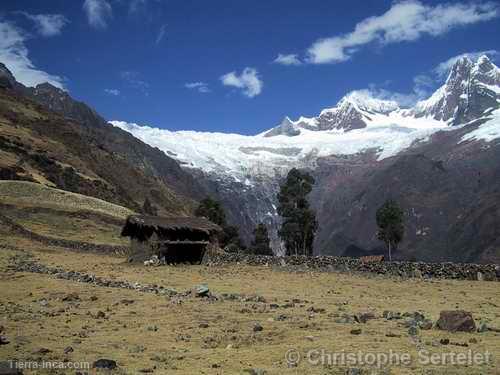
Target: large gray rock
x=456, y=321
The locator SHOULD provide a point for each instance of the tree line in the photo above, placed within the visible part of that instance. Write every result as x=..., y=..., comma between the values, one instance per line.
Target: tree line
x=299, y=224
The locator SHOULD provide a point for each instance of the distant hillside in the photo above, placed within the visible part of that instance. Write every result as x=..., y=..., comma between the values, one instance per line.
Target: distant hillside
x=47, y=137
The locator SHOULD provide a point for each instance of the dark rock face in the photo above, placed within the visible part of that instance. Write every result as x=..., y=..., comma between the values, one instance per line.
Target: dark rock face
x=345, y=116
x=456, y=321
x=468, y=92
x=7, y=80
x=447, y=189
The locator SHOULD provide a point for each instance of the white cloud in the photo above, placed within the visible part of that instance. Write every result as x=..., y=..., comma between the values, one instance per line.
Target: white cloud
x=134, y=80
x=404, y=21
x=249, y=81
x=291, y=59
x=98, y=12
x=161, y=34
x=47, y=24
x=14, y=54
x=113, y=92
x=199, y=86
x=443, y=68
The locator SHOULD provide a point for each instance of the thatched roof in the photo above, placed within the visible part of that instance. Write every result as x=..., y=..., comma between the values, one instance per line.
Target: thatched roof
x=137, y=223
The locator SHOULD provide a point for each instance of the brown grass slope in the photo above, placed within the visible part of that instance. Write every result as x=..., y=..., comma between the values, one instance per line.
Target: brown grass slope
x=99, y=161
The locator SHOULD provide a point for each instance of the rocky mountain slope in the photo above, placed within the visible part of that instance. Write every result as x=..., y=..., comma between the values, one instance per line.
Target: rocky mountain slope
x=362, y=151
x=47, y=137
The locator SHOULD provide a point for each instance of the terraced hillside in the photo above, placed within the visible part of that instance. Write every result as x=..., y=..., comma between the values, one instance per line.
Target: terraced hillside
x=45, y=213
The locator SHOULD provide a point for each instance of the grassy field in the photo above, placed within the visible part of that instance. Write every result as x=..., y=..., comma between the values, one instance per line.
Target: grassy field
x=190, y=335
x=28, y=194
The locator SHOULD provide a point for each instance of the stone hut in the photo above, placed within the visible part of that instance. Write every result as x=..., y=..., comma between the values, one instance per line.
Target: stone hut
x=172, y=239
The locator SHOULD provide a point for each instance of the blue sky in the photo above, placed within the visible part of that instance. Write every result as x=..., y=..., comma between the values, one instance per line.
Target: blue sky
x=238, y=66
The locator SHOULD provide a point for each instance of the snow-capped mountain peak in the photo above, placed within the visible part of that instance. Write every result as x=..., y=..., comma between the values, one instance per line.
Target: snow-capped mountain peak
x=364, y=100
x=470, y=89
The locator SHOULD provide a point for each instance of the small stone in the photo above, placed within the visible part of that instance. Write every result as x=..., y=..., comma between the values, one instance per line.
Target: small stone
x=43, y=351
x=201, y=290
x=392, y=334
x=365, y=316
x=444, y=341
x=356, y=331
x=473, y=340
x=152, y=328
x=483, y=327
x=93, y=298
x=203, y=325
x=255, y=371
x=257, y=327
x=413, y=331
x=71, y=297
x=105, y=364
x=310, y=338
x=68, y=350
x=426, y=324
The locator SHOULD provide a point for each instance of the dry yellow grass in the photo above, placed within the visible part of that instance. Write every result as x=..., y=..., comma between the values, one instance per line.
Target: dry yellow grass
x=228, y=345
x=30, y=194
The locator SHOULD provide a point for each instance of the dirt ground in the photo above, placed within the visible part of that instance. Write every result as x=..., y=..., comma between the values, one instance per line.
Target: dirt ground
x=270, y=313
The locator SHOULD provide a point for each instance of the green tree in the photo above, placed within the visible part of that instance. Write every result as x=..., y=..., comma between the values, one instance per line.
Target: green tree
x=212, y=210
x=299, y=221
x=260, y=244
x=390, y=221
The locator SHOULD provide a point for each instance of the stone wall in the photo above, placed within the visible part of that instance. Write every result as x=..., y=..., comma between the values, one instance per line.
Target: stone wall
x=460, y=271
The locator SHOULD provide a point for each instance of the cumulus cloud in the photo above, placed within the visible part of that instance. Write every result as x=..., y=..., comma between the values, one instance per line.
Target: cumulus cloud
x=198, y=86
x=443, y=68
x=113, y=92
x=14, y=54
x=98, y=12
x=47, y=24
x=161, y=34
x=248, y=81
x=405, y=21
x=291, y=59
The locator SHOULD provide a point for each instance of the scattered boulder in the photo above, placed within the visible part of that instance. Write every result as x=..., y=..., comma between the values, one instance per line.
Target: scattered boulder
x=255, y=371
x=413, y=331
x=456, y=321
x=365, y=316
x=201, y=290
x=483, y=327
x=71, y=297
x=257, y=327
x=3, y=339
x=444, y=341
x=103, y=363
x=68, y=350
x=98, y=315
x=391, y=315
